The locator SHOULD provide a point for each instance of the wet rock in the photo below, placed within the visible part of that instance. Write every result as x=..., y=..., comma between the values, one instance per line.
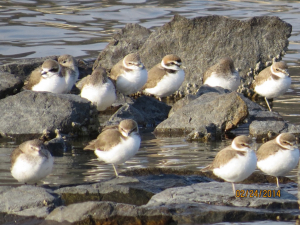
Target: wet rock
x=114, y=190
x=110, y=213
x=152, y=196
x=31, y=112
x=127, y=40
x=224, y=111
x=269, y=129
x=201, y=42
x=144, y=110
x=9, y=84
x=58, y=145
x=28, y=200
x=217, y=193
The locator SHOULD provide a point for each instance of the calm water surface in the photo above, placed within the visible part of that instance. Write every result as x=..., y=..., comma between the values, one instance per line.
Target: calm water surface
x=30, y=29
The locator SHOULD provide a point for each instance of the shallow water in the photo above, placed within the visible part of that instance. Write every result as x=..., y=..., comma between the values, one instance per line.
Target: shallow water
x=30, y=29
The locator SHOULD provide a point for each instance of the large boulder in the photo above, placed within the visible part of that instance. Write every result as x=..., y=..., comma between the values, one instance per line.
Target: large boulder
x=33, y=112
x=201, y=42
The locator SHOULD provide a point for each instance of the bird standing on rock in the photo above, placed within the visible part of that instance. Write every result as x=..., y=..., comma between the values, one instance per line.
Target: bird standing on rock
x=235, y=162
x=279, y=156
x=129, y=74
x=273, y=81
x=70, y=70
x=98, y=89
x=165, y=78
x=48, y=77
x=223, y=74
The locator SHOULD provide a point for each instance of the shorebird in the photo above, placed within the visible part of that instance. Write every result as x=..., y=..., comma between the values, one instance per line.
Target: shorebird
x=278, y=156
x=31, y=161
x=129, y=74
x=69, y=70
x=117, y=144
x=98, y=89
x=273, y=81
x=165, y=78
x=235, y=162
x=223, y=74
x=48, y=77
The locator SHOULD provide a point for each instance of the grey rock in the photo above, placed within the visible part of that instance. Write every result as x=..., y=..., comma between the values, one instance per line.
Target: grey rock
x=31, y=112
x=28, y=200
x=267, y=125
x=127, y=40
x=201, y=42
x=114, y=190
x=154, y=196
x=23, y=68
x=9, y=84
x=188, y=98
x=217, y=193
x=144, y=110
x=211, y=109
x=58, y=145
x=110, y=213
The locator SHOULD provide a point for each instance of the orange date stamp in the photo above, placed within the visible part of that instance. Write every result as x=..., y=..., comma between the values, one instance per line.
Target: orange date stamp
x=255, y=193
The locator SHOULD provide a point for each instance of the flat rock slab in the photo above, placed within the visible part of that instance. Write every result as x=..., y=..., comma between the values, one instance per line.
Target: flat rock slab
x=216, y=193
x=32, y=112
x=201, y=42
x=28, y=200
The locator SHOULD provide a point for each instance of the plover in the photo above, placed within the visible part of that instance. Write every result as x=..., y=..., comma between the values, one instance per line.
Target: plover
x=69, y=70
x=273, y=81
x=117, y=144
x=223, y=74
x=165, y=78
x=278, y=156
x=98, y=89
x=31, y=161
x=48, y=77
x=129, y=74
x=236, y=162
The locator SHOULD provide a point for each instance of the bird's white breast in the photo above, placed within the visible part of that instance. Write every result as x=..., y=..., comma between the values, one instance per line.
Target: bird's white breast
x=273, y=88
x=71, y=78
x=280, y=163
x=227, y=82
x=32, y=169
x=167, y=85
x=131, y=82
x=238, y=168
x=102, y=95
x=54, y=84
x=121, y=152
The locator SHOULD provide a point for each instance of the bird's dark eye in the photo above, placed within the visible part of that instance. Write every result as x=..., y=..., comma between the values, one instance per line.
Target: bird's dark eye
x=54, y=70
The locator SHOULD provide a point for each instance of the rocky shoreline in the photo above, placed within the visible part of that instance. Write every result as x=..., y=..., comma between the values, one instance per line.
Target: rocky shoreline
x=203, y=113
x=150, y=196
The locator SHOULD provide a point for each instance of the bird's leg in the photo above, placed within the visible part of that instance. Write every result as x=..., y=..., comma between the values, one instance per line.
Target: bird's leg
x=233, y=188
x=268, y=104
x=117, y=175
x=277, y=180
